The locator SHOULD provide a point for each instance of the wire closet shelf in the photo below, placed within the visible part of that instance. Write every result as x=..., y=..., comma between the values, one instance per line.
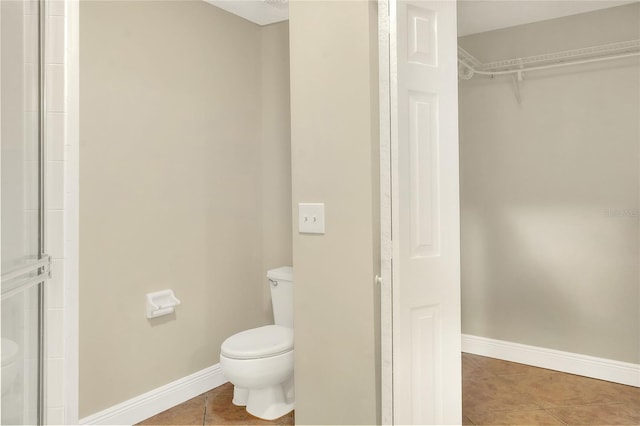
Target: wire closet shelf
x=468, y=65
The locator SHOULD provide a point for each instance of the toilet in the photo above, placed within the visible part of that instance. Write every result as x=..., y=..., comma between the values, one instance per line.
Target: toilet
x=259, y=361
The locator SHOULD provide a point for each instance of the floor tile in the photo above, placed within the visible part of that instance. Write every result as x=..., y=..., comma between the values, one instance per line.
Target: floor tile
x=494, y=392
x=528, y=417
x=608, y=414
x=623, y=394
x=469, y=367
x=221, y=411
x=484, y=394
x=557, y=390
x=466, y=421
x=190, y=412
x=502, y=368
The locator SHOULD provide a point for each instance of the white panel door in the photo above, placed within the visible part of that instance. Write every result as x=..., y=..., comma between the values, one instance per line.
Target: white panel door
x=425, y=211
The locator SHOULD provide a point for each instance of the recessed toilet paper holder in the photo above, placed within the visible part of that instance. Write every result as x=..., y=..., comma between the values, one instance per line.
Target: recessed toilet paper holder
x=161, y=303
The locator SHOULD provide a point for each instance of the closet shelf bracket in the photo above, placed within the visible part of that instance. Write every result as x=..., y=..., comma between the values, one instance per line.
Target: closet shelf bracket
x=517, y=81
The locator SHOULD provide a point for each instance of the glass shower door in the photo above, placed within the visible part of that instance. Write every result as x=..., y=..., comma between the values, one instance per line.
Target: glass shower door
x=24, y=266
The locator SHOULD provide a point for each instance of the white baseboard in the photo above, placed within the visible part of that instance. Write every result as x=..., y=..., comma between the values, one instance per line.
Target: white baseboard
x=156, y=401
x=583, y=365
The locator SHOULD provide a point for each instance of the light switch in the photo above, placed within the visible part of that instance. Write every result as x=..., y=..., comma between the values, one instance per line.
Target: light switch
x=311, y=218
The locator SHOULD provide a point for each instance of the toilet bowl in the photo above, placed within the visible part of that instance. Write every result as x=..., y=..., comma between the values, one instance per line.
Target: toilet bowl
x=259, y=361
x=9, y=364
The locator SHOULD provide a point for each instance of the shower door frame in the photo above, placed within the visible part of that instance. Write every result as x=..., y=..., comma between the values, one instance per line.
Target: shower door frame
x=36, y=273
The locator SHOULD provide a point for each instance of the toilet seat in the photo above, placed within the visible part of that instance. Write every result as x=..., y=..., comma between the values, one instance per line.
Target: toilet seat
x=261, y=342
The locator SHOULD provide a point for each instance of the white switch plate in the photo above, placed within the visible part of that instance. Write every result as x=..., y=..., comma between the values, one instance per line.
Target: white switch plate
x=311, y=218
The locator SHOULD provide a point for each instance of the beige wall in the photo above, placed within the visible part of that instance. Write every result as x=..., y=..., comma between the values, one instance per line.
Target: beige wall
x=334, y=153
x=545, y=259
x=275, y=150
x=175, y=187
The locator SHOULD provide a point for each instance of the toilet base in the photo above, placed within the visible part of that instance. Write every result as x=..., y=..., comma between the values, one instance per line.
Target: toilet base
x=240, y=396
x=268, y=403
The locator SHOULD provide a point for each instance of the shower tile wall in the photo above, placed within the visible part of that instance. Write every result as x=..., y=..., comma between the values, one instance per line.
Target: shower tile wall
x=55, y=204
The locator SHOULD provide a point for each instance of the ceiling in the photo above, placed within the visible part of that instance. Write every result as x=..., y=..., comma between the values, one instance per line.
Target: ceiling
x=261, y=12
x=474, y=16
x=477, y=16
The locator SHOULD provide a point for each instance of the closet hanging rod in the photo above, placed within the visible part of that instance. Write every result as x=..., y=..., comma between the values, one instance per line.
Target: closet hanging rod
x=544, y=67
x=571, y=57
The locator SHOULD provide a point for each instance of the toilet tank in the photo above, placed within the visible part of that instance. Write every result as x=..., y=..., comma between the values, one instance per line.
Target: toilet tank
x=281, y=283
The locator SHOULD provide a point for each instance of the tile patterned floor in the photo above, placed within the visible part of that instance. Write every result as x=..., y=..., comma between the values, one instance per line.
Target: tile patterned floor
x=494, y=392
x=213, y=408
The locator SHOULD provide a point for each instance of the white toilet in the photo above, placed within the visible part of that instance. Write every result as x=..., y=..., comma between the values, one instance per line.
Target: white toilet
x=259, y=361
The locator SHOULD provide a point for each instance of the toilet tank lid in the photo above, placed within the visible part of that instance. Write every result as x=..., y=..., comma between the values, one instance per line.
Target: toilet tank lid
x=283, y=273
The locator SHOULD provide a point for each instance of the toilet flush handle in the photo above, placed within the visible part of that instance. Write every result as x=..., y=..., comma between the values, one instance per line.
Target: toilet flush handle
x=273, y=282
